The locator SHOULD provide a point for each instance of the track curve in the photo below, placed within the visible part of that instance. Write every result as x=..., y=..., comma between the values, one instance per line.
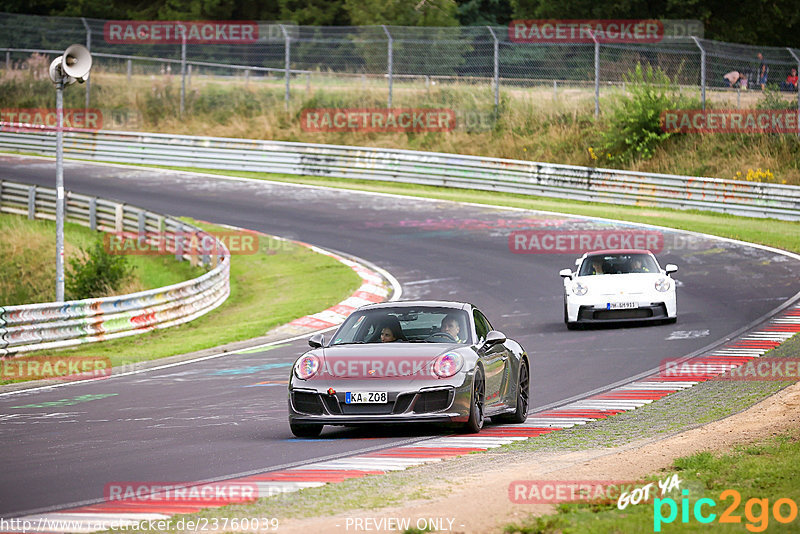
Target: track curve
x=217, y=417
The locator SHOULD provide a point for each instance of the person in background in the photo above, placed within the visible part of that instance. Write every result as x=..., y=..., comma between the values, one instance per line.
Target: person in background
x=763, y=69
x=791, y=82
x=732, y=78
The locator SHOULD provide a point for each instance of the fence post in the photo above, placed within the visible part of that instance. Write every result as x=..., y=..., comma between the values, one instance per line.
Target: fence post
x=555, y=90
x=8, y=60
x=496, y=72
x=702, y=72
x=183, y=74
x=130, y=69
x=246, y=77
x=798, y=92
x=189, y=74
x=287, y=59
x=596, y=74
x=390, y=66
x=89, y=48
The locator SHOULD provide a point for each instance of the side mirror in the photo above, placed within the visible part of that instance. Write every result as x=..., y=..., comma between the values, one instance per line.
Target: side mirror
x=670, y=268
x=316, y=341
x=493, y=338
x=565, y=273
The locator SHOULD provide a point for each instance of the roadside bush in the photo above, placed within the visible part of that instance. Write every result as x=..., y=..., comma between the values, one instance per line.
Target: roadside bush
x=771, y=98
x=634, y=121
x=96, y=273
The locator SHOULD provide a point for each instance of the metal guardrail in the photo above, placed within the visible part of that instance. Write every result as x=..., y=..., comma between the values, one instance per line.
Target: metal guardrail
x=752, y=199
x=59, y=324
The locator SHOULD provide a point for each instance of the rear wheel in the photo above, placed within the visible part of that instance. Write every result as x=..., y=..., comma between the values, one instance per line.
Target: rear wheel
x=523, y=392
x=305, y=430
x=475, y=421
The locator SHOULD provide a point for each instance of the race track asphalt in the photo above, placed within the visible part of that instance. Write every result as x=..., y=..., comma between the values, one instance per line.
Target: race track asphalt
x=227, y=415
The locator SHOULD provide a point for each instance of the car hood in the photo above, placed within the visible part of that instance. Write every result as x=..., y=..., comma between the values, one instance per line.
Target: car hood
x=621, y=284
x=382, y=360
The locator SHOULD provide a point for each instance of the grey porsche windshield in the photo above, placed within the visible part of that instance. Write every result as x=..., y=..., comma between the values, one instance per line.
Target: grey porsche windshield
x=405, y=325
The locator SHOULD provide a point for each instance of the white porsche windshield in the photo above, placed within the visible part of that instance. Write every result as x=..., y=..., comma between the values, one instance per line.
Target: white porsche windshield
x=618, y=264
x=405, y=324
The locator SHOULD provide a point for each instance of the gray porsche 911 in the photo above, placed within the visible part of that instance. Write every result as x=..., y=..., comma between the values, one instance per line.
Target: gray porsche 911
x=410, y=362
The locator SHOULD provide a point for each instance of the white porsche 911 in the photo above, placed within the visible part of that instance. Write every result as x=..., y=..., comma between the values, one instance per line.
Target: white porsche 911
x=618, y=285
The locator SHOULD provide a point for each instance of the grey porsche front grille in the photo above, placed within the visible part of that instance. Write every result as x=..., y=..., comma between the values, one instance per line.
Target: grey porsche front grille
x=308, y=403
x=433, y=401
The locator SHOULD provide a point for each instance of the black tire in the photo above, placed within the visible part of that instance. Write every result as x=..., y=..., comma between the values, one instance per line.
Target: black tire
x=573, y=326
x=523, y=395
x=475, y=422
x=305, y=430
x=671, y=320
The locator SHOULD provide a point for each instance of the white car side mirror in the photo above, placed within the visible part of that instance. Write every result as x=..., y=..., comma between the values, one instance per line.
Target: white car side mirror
x=565, y=273
x=670, y=268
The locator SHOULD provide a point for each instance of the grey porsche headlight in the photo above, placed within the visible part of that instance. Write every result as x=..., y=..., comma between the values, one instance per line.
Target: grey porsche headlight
x=579, y=288
x=663, y=284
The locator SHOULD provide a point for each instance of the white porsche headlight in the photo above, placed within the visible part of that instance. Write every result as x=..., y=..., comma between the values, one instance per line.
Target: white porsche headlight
x=663, y=284
x=579, y=288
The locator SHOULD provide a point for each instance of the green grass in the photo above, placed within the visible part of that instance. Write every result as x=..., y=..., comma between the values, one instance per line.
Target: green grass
x=27, y=272
x=780, y=234
x=768, y=469
x=531, y=124
x=268, y=289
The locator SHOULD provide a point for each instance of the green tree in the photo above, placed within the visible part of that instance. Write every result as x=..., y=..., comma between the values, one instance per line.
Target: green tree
x=402, y=12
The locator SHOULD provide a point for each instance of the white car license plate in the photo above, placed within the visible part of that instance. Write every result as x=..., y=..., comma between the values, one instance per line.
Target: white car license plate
x=365, y=397
x=621, y=305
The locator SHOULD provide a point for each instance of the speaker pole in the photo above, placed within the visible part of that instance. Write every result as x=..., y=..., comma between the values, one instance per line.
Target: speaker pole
x=60, y=191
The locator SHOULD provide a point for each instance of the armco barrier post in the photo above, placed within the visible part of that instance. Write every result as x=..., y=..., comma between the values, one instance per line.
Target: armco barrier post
x=93, y=213
x=31, y=202
x=129, y=70
x=390, y=61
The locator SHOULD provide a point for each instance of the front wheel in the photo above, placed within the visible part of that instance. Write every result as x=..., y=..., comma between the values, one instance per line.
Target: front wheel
x=305, y=430
x=475, y=422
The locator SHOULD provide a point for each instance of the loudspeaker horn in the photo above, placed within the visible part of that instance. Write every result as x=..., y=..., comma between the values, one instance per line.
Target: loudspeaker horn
x=77, y=62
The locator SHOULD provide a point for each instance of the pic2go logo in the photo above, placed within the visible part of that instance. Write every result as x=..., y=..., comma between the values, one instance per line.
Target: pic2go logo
x=756, y=511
